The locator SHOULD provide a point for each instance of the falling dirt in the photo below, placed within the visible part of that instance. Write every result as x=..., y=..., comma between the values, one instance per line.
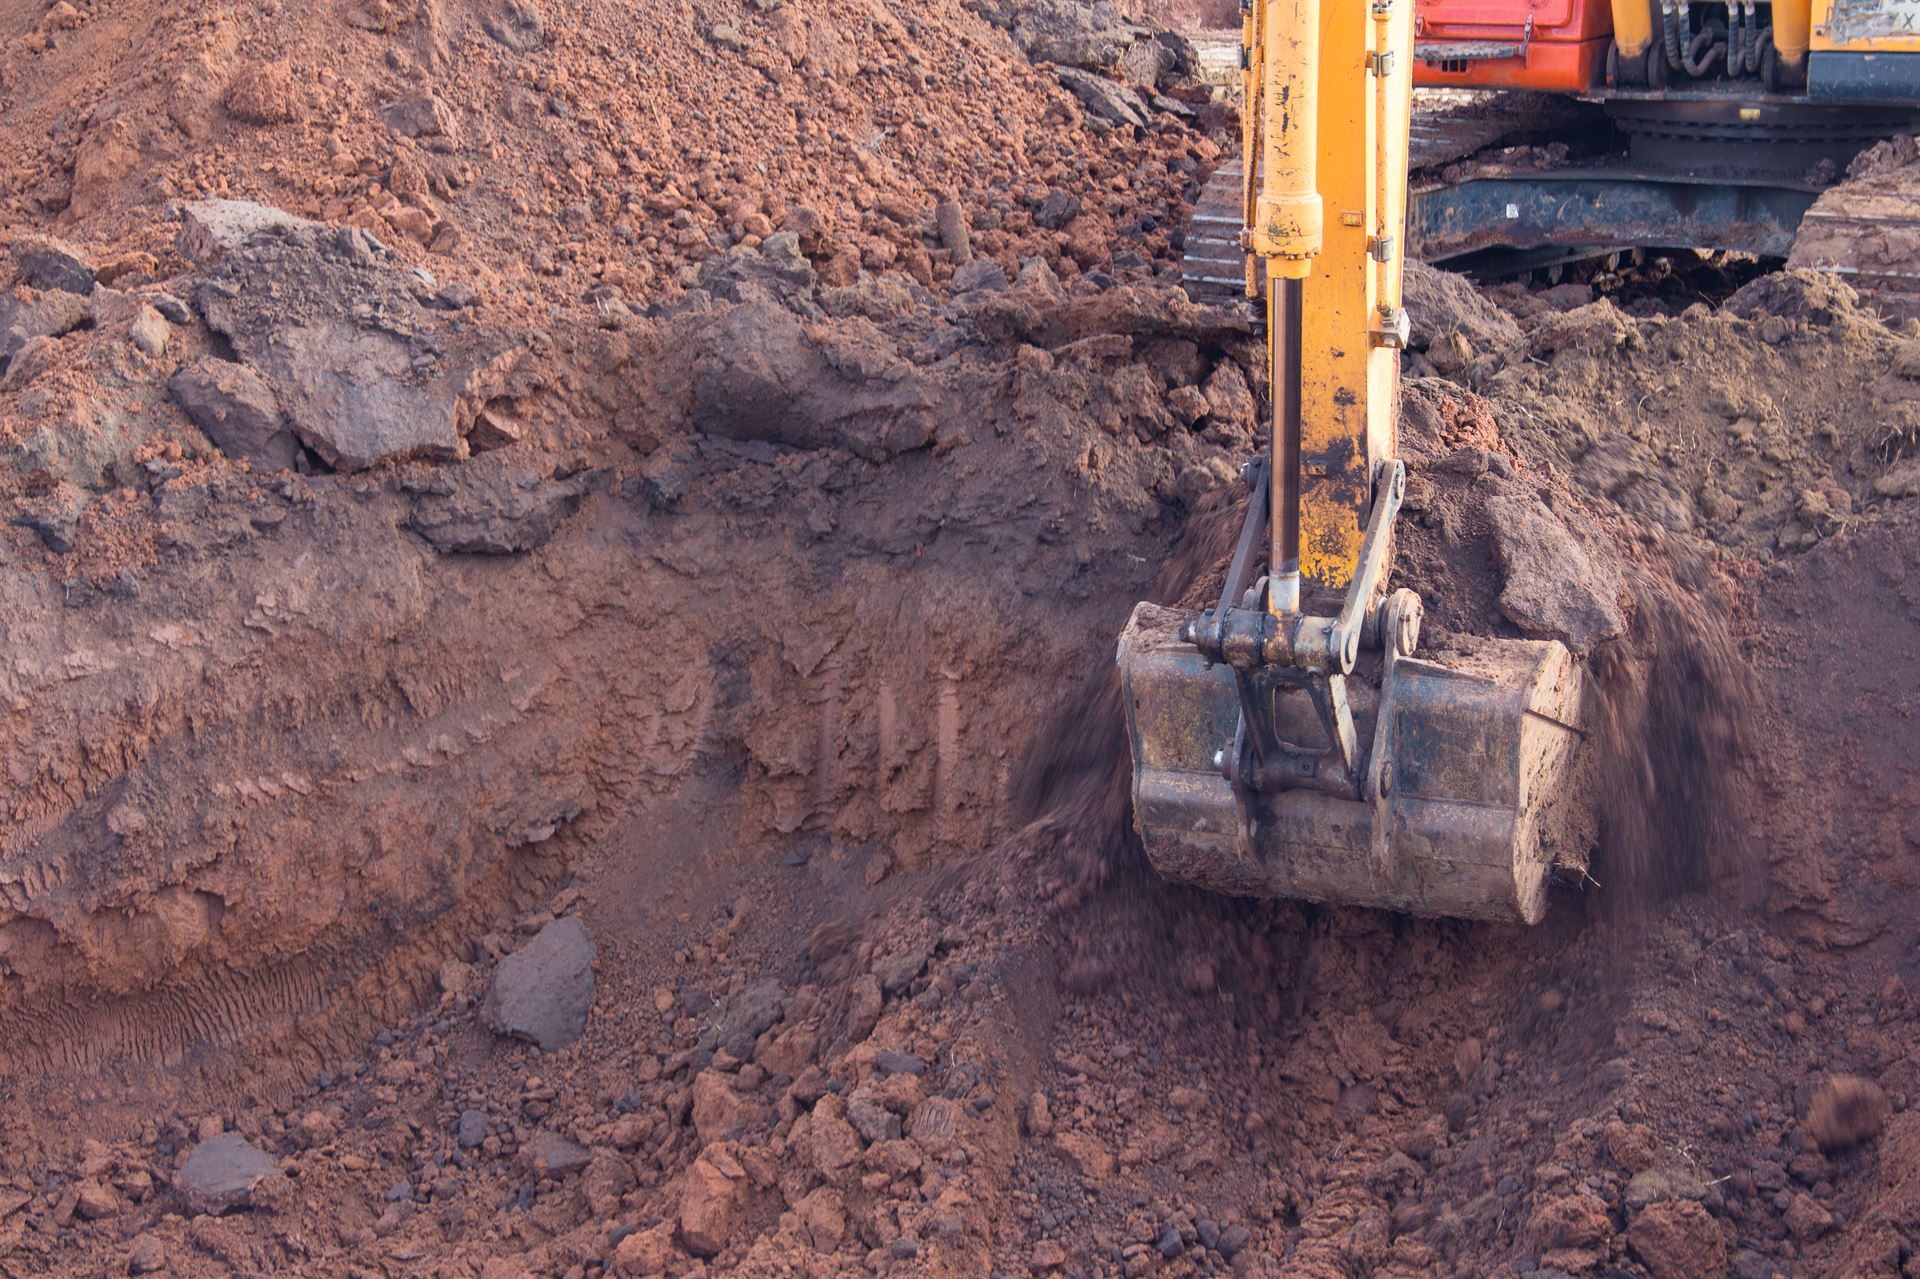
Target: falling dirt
x=559, y=707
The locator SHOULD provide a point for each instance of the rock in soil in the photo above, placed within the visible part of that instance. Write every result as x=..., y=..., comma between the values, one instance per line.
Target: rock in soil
x=46, y=262
x=223, y=1171
x=544, y=990
x=1553, y=588
x=711, y=1201
x=235, y=408
x=1678, y=1240
x=550, y=1154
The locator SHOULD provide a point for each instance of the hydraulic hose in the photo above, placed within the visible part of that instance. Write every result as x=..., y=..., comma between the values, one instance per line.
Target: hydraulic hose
x=1283, y=583
x=1702, y=51
x=1670, y=34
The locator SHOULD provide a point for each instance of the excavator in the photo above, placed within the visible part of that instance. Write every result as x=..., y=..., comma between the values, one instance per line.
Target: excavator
x=1589, y=130
x=1292, y=740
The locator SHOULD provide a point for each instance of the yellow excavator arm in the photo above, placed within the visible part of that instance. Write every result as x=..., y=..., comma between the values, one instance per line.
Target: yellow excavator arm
x=1287, y=742
x=1328, y=122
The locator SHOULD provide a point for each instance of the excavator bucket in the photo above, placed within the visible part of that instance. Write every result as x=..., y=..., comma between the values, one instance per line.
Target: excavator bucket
x=1469, y=790
x=1279, y=752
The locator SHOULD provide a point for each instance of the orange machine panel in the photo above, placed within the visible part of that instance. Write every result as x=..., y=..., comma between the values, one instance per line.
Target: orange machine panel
x=1512, y=44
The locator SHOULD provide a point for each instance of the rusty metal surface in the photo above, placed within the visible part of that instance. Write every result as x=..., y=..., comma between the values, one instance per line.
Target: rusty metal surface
x=1477, y=750
x=1691, y=182
x=1214, y=264
x=1500, y=208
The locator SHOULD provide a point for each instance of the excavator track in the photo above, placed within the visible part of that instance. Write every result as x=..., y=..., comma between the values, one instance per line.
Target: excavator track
x=1503, y=184
x=1444, y=132
x=1867, y=231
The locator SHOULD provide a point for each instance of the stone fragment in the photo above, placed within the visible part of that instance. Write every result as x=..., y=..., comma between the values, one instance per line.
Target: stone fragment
x=935, y=1125
x=950, y=222
x=1678, y=1239
x=222, y=1173
x=544, y=990
x=1145, y=64
x=1570, y=1221
x=95, y=1201
x=211, y=229
x=1059, y=208
x=740, y=1019
x=899, y=969
x=50, y=315
x=36, y=356
x=761, y=374
x=719, y=1111
x=517, y=24
x=48, y=263
x=420, y=116
x=235, y=408
x=1105, y=99
x=894, y=1062
x=147, y=1256
x=54, y=514
x=1553, y=588
x=832, y=1145
x=1806, y=1218
x=551, y=1154
x=487, y=509
x=712, y=1199
x=149, y=333
x=982, y=275
x=471, y=1129
x=644, y=1253
x=822, y=1215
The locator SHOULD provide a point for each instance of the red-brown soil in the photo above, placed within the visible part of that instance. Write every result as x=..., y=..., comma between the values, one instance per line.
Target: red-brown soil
x=760, y=618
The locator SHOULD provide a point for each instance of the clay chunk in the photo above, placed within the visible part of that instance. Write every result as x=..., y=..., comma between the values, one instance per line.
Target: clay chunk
x=1553, y=588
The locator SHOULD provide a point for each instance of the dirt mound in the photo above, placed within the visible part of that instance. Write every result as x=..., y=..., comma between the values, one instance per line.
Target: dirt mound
x=1706, y=423
x=641, y=139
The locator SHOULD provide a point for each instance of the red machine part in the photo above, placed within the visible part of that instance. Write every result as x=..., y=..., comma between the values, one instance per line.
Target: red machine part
x=1512, y=44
